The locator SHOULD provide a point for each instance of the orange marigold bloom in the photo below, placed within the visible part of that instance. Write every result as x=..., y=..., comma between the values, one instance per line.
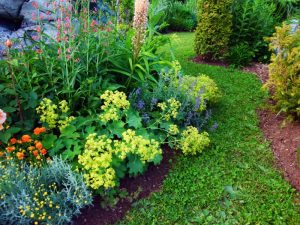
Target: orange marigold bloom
x=13, y=141
x=26, y=138
x=43, y=129
x=39, y=145
x=10, y=148
x=36, y=131
x=39, y=130
x=20, y=155
x=1, y=154
x=44, y=151
x=35, y=153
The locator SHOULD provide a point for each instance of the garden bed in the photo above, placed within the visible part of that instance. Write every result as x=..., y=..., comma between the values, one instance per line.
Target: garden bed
x=137, y=188
x=285, y=141
x=284, y=137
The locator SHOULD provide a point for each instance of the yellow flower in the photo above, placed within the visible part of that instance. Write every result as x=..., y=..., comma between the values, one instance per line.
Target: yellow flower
x=47, y=112
x=113, y=105
x=99, y=151
x=170, y=108
x=63, y=105
x=173, y=129
x=193, y=142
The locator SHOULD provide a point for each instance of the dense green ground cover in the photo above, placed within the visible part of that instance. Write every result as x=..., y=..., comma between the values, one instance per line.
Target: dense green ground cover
x=232, y=182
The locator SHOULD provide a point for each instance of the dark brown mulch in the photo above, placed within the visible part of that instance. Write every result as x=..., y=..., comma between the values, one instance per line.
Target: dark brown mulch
x=137, y=188
x=285, y=141
x=261, y=70
x=203, y=60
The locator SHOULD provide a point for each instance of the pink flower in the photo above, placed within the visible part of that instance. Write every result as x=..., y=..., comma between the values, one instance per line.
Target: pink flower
x=35, y=5
x=2, y=118
x=33, y=16
x=38, y=29
x=94, y=23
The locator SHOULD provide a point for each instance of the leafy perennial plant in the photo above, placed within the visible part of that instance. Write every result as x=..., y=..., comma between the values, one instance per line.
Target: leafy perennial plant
x=102, y=158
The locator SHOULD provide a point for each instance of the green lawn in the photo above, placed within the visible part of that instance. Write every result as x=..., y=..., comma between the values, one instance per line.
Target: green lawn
x=232, y=182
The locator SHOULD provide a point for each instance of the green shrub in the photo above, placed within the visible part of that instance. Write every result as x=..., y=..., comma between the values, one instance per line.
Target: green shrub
x=252, y=21
x=240, y=54
x=48, y=195
x=214, y=28
x=284, y=81
x=181, y=17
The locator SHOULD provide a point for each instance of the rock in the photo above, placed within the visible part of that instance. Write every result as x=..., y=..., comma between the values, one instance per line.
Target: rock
x=30, y=13
x=10, y=9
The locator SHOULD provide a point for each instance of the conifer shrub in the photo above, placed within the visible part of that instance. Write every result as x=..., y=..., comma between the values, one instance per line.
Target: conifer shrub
x=214, y=28
x=284, y=69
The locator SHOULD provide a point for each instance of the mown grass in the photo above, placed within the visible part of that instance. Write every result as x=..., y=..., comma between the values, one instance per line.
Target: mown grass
x=235, y=180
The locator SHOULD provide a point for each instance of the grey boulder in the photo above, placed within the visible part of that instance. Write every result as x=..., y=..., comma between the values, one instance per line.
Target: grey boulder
x=10, y=9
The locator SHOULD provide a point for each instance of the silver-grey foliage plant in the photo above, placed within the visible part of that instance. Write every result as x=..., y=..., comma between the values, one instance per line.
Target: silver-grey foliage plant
x=52, y=194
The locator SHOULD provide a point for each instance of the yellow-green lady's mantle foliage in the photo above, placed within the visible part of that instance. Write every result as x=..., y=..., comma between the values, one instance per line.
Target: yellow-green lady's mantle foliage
x=203, y=88
x=285, y=70
x=214, y=28
x=193, y=142
x=114, y=103
x=101, y=154
x=54, y=115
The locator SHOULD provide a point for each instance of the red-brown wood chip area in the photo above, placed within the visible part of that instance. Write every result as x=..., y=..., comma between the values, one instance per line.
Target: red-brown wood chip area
x=285, y=140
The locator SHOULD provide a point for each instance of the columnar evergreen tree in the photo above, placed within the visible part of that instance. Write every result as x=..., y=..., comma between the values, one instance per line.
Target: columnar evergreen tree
x=214, y=28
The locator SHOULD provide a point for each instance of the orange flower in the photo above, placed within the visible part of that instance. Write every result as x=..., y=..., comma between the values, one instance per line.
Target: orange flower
x=20, y=155
x=44, y=151
x=39, y=130
x=1, y=154
x=35, y=153
x=13, y=141
x=26, y=138
x=43, y=129
x=10, y=148
x=39, y=145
